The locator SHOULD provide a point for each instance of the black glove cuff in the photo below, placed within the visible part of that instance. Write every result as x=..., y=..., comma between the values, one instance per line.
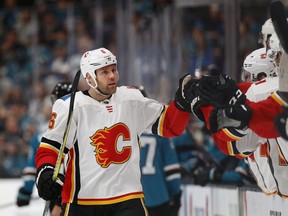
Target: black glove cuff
x=181, y=105
x=42, y=169
x=58, y=201
x=195, y=107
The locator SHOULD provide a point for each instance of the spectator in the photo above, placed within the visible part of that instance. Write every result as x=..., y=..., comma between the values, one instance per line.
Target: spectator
x=26, y=27
x=197, y=47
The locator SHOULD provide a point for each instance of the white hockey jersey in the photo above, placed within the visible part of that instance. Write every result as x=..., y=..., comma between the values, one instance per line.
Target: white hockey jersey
x=103, y=143
x=268, y=161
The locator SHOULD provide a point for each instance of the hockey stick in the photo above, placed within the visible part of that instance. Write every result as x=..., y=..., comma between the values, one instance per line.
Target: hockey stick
x=65, y=136
x=279, y=20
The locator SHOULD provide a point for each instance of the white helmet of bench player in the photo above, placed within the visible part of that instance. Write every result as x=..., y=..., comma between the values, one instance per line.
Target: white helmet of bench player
x=257, y=65
x=93, y=60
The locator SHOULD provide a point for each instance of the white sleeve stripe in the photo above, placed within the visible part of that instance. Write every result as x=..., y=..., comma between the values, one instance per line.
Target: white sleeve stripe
x=171, y=167
x=173, y=177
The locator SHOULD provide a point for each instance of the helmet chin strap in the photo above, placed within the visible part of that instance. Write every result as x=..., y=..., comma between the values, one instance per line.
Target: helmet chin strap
x=101, y=93
x=97, y=90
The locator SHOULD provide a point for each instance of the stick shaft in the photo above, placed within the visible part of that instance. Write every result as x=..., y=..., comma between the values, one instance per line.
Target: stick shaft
x=65, y=136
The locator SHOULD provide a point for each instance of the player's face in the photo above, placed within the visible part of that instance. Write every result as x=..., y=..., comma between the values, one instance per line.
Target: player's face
x=107, y=79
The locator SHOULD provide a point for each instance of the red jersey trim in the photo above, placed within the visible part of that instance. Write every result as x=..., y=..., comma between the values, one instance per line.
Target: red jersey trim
x=160, y=131
x=172, y=121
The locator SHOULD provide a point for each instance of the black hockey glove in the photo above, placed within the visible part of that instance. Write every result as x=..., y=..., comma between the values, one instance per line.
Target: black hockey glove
x=192, y=96
x=281, y=123
x=23, y=197
x=220, y=91
x=205, y=175
x=237, y=116
x=48, y=189
x=179, y=99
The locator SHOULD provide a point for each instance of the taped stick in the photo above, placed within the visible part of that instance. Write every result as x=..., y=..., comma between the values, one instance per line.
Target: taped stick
x=65, y=137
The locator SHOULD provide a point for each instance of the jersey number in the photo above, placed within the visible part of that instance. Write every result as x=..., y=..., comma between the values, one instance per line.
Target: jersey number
x=52, y=121
x=150, y=144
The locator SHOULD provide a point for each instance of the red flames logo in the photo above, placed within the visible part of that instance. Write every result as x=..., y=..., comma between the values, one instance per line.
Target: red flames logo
x=105, y=140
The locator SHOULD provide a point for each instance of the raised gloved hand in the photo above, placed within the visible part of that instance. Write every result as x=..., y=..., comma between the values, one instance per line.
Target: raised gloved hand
x=281, y=123
x=48, y=189
x=193, y=97
x=220, y=91
x=179, y=99
x=204, y=175
x=23, y=197
x=237, y=116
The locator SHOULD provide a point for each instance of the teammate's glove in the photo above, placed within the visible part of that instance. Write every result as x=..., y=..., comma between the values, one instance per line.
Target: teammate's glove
x=48, y=189
x=237, y=116
x=204, y=175
x=23, y=197
x=192, y=96
x=179, y=100
x=281, y=123
x=220, y=91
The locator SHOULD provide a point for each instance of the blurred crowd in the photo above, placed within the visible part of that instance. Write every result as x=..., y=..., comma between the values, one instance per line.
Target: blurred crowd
x=36, y=52
x=41, y=44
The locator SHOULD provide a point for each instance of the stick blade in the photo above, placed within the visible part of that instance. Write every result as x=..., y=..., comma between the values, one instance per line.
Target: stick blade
x=278, y=17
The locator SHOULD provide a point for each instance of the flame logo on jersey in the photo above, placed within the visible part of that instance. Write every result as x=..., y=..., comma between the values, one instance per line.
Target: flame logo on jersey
x=105, y=140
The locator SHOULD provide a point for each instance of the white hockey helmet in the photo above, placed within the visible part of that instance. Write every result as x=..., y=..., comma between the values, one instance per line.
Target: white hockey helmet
x=266, y=32
x=257, y=64
x=96, y=59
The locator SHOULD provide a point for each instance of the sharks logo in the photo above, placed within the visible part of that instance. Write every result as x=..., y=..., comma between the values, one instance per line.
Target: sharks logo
x=106, y=142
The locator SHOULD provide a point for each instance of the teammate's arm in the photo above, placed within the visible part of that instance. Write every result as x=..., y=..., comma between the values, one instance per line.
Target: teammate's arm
x=174, y=117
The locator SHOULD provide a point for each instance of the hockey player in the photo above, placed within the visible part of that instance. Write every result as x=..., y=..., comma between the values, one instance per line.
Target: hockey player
x=103, y=176
x=267, y=157
x=29, y=172
x=270, y=107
